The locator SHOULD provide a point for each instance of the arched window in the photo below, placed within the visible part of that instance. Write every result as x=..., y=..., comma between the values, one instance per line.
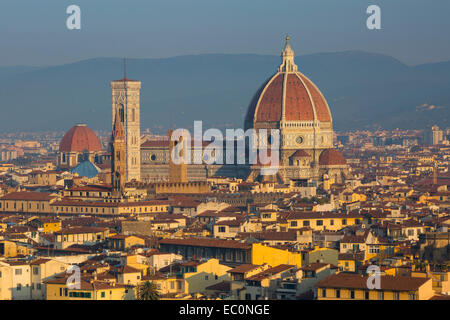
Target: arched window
x=121, y=113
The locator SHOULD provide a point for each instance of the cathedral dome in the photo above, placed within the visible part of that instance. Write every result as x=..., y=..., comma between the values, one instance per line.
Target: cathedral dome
x=288, y=96
x=80, y=138
x=331, y=157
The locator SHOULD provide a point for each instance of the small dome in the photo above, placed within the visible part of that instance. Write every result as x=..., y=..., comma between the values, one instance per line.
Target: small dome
x=86, y=169
x=331, y=157
x=300, y=154
x=80, y=138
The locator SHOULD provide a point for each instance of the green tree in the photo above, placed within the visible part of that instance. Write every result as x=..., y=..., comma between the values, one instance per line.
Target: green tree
x=148, y=291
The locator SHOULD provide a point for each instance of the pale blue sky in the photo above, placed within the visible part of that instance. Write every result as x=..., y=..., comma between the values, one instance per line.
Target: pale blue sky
x=33, y=32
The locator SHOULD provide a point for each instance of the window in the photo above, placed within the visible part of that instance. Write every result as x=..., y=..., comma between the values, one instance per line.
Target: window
x=39, y=286
x=381, y=295
x=319, y=223
x=344, y=222
x=352, y=294
x=19, y=287
x=324, y=292
x=103, y=294
x=306, y=223
x=221, y=229
x=293, y=223
x=35, y=270
x=366, y=295
x=331, y=222
x=18, y=272
x=206, y=277
x=396, y=296
x=80, y=294
x=338, y=293
x=412, y=296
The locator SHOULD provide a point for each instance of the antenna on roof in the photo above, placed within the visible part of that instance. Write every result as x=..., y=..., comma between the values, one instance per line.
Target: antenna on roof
x=124, y=68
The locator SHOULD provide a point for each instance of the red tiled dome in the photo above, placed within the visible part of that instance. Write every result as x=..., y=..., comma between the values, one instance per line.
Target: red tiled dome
x=80, y=138
x=331, y=157
x=288, y=93
x=302, y=100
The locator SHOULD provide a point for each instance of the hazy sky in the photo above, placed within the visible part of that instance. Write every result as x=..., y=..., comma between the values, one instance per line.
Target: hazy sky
x=34, y=32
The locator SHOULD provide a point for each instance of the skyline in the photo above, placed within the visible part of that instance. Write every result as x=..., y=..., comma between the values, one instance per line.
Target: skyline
x=224, y=152
x=35, y=34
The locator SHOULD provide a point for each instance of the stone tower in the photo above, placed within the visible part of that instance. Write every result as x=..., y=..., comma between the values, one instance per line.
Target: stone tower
x=177, y=172
x=125, y=102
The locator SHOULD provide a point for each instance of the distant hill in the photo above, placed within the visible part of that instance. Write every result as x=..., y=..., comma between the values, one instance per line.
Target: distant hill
x=364, y=90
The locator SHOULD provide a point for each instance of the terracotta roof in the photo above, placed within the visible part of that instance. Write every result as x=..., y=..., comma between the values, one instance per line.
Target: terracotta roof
x=224, y=286
x=28, y=195
x=230, y=223
x=314, y=266
x=89, y=284
x=128, y=269
x=270, y=272
x=79, y=230
x=207, y=242
x=243, y=268
x=320, y=215
x=351, y=238
x=80, y=138
x=357, y=281
x=40, y=261
x=270, y=235
x=331, y=157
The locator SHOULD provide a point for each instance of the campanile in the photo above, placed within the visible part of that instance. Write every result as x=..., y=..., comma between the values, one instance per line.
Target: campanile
x=125, y=101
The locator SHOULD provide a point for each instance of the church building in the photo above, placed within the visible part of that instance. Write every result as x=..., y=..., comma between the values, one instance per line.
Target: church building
x=288, y=101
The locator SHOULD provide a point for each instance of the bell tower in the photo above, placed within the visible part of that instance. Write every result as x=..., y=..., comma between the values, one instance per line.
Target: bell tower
x=177, y=171
x=126, y=103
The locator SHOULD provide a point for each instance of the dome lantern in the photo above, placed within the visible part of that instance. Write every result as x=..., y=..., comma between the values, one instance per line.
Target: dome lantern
x=287, y=59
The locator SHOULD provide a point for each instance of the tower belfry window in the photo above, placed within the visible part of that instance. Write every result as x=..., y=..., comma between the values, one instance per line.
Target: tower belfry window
x=121, y=114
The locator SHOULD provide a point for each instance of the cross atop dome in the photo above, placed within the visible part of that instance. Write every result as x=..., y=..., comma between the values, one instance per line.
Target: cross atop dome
x=287, y=58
